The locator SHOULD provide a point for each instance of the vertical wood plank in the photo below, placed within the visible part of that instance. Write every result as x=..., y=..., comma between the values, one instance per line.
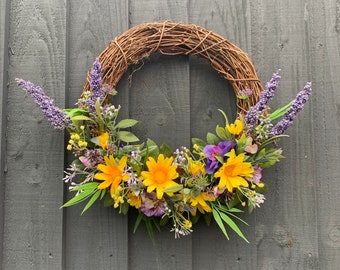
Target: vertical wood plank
x=160, y=98
x=99, y=238
x=33, y=189
x=287, y=222
x=210, y=92
x=4, y=28
x=324, y=18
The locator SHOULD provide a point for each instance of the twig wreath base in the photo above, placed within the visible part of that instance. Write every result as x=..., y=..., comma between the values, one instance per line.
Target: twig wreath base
x=170, y=38
x=216, y=179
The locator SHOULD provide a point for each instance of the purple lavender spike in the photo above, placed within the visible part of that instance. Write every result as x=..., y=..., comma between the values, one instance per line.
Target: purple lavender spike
x=297, y=105
x=54, y=114
x=256, y=110
x=95, y=86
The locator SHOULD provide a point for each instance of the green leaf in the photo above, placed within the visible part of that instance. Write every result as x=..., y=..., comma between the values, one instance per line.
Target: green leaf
x=225, y=117
x=165, y=150
x=94, y=197
x=212, y=138
x=79, y=198
x=219, y=222
x=86, y=186
x=108, y=201
x=81, y=118
x=222, y=133
x=164, y=220
x=74, y=111
x=279, y=112
x=149, y=229
x=126, y=123
x=198, y=142
x=233, y=225
x=123, y=208
x=270, y=140
x=150, y=150
x=173, y=189
x=127, y=136
x=138, y=220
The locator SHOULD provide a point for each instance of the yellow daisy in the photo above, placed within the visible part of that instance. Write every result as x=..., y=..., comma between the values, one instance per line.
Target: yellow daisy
x=235, y=128
x=112, y=173
x=103, y=140
x=160, y=175
x=232, y=172
x=200, y=202
x=195, y=168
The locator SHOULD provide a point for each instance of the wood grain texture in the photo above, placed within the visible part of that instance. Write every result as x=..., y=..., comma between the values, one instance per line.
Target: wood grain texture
x=101, y=232
x=4, y=28
x=34, y=157
x=286, y=224
x=54, y=43
x=325, y=43
x=160, y=98
x=231, y=20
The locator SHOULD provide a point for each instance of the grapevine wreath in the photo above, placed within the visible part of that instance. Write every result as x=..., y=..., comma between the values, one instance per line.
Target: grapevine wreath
x=217, y=178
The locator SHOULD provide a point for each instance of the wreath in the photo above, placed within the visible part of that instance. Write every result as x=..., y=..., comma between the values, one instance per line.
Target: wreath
x=217, y=178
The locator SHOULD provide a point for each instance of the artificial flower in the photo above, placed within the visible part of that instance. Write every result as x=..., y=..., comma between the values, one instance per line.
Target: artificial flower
x=160, y=175
x=200, y=202
x=216, y=152
x=232, y=172
x=112, y=173
x=195, y=168
x=103, y=140
x=151, y=206
x=235, y=128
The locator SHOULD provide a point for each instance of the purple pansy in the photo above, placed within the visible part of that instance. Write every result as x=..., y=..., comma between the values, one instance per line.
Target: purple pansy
x=212, y=152
x=151, y=206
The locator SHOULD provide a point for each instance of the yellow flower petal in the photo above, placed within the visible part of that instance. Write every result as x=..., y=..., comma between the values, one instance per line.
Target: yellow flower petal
x=160, y=174
x=232, y=172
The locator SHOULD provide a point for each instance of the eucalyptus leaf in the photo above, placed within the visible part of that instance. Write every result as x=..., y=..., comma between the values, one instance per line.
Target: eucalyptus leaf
x=126, y=123
x=173, y=189
x=212, y=138
x=165, y=150
x=81, y=118
x=127, y=136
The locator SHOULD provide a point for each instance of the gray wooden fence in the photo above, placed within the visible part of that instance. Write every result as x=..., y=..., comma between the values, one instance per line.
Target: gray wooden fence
x=54, y=42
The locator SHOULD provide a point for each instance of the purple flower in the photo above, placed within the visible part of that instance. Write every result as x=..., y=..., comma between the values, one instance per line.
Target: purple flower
x=151, y=206
x=257, y=175
x=256, y=110
x=212, y=152
x=95, y=86
x=91, y=158
x=54, y=114
x=297, y=105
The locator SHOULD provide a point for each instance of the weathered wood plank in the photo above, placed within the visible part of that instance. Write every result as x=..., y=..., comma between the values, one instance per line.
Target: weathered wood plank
x=4, y=27
x=160, y=98
x=324, y=18
x=287, y=222
x=210, y=92
x=33, y=190
x=99, y=238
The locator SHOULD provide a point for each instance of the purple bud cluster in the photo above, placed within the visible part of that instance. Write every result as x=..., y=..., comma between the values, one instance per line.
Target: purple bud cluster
x=256, y=110
x=95, y=86
x=297, y=105
x=54, y=114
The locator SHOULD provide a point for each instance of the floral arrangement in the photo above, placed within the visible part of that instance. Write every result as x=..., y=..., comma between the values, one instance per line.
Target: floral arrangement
x=217, y=179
